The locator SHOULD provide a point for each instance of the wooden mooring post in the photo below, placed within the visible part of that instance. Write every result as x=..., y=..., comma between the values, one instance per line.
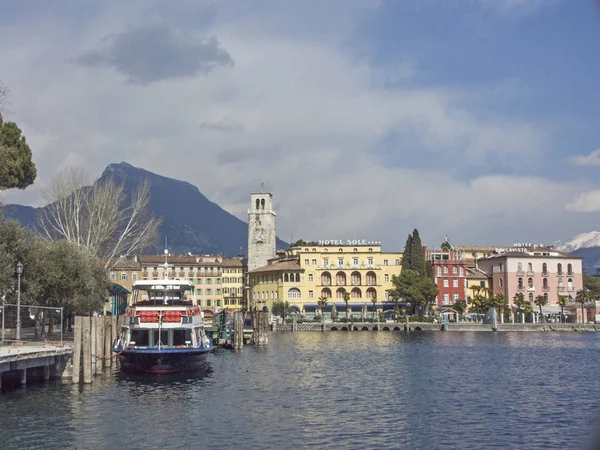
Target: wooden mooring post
x=238, y=330
x=261, y=329
x=99, y=355
x=77, y=349
x=107, y=341
x=87, y=350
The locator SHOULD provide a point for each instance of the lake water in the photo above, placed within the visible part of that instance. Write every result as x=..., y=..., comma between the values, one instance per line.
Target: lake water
x=337, y=390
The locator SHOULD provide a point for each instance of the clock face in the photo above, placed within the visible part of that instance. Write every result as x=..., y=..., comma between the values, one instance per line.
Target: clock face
x=260, y=238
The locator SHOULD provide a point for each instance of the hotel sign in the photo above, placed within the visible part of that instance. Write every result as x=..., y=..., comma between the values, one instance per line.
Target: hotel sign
x=346, y=242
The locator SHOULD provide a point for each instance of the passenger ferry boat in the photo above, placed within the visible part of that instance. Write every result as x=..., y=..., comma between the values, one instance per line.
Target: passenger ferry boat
x=163, y=328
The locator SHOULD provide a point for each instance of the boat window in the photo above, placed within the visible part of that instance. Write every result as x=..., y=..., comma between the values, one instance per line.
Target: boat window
x=140, y=337
x=164, y=337
x=181, y=336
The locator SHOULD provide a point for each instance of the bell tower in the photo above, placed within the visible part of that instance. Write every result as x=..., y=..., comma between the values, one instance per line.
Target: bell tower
x=261, y=230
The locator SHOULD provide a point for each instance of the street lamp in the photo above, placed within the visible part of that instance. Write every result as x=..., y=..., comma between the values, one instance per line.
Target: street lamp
x=19, y=272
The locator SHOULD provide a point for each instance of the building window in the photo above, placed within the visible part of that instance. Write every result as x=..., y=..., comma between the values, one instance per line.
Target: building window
x=500, y=282
x=310, y=294
x=455, y=297
x=455, y=283
x=355, y=250
x=199, y=291
x=112, y=276
x=446, y=298
x=370, y=249
x=461, y=272
x=370, y=262
x=340, y=250
x=385, y=262
x=354, y=262
x=340, y=262
x=454, y=271
x=293, y=293
x=439, y=271
x=134, y=276
x=306, y=261
x=209, y=292
x=445, y=270
x=446, y=282
x=314, y=261
x=530, y=297
x=530, y=283
x=386, y=277
x=123, y=276
x=218, y=291
x=559, y=269
x=310, y=277
x=520, y=283
x=208, y=302
x=397, y=262
x=569, y=269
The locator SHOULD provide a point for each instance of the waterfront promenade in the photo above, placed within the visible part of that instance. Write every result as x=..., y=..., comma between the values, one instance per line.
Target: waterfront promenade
x=39, y=360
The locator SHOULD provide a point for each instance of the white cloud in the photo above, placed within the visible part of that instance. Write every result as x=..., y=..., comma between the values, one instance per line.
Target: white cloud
x=586, y=202
x=306, y=117
x=593, y=159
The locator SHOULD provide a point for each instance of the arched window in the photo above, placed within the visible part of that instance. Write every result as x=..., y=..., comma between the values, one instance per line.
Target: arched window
x=293, y=293
x=570, y=284
x=520, y=283
x=371, y=279
x=314, y=249
x=326, y=279
x=544, y=268
x=520, y=267
x=500, y=282
x=461, y=271
x=340, y=250
x=546, y=298
x=560, y=284
x=340, y=293
x=355, y=279
x=545, y=283
x=559, y=269
x=529, y=268
x=445, y=270
x=439, y=270
x=531, y=297
x=326, y=293
x=305, y=249
x=285, y=277
x=355, y=250
x=501, y=266
x=454, y=270
x=370, y=249
x=530, y=283
x=262, y=203
x=340, y=279
x=371, y=293
x=297, y=278
x=569, y=269
x=356, y=293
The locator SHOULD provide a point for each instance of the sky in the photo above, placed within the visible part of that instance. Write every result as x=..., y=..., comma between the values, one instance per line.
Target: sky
x=473, y=119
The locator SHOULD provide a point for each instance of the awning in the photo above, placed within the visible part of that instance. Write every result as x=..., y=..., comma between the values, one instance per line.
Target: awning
x=551, y=309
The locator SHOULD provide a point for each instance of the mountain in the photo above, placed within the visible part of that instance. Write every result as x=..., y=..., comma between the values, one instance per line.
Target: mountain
x=191, y=222
x=586, y=245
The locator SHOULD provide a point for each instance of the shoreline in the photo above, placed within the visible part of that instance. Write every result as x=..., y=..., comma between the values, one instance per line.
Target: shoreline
x=427, y=326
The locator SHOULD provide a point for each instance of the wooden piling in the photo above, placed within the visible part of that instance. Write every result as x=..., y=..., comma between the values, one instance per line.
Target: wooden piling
x=107, y=341
x=93, y=336
x=99, y=359
x=77, y=349
x=262, y=329
x=238, y=330
x=86, y=348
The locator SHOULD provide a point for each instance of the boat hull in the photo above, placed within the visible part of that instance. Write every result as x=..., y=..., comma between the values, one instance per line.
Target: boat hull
x=163, y=361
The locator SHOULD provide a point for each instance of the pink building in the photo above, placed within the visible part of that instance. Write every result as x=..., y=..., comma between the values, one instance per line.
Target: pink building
x=534, y=270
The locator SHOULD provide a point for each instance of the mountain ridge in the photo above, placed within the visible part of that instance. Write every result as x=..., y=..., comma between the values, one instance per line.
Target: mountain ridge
x=191, y=222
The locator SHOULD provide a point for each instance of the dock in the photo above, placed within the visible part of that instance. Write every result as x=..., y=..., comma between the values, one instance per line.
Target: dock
x=47, y=360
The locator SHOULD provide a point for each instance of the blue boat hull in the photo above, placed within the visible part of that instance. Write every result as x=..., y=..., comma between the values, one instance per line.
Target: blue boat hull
x=163, y=361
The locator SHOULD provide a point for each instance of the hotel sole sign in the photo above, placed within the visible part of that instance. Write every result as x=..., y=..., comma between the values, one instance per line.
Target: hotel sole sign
x=346, y=242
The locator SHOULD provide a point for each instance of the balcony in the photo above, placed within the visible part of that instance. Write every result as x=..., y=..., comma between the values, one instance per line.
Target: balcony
x=182, y=273
x=545, y=274
x=145, y=274
x=521, y=288
x=530, y=288
x=546, y=288
x=570, y=274
x=560, y=274
x=560, y=289
x=530, y=273
x=520, y=273
x=155, y=273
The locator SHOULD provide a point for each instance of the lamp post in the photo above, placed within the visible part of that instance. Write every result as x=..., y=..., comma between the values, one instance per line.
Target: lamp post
x=19, y=272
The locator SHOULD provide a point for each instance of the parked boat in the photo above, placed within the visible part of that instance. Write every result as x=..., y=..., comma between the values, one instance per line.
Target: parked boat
x=163, y=328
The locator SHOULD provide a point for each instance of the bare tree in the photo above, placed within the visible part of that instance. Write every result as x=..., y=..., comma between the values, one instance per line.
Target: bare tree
x=100, y=216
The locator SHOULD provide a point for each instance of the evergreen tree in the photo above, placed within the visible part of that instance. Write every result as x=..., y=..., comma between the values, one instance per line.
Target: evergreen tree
x=417, y=254
x=17, y=170
x=406, y=256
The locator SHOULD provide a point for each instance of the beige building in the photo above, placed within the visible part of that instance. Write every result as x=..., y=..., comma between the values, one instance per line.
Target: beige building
x=326, y=269
x=234, y=283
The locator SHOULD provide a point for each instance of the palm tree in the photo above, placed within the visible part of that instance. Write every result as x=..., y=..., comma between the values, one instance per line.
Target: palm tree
x=582, y=297
x=540, y=301
x=562, y=302
x=322, y=302
x=346, y=300
x=499, y=301
x=459, y=306
x=374, y=301
x=519, y=301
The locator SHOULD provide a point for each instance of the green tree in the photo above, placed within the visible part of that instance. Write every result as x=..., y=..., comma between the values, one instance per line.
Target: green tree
x=460, y=306
x=417, y=254
x=584, y=296
x=17, y=170
x=346, y=300
x=406, y=256
x=562, y=302
x=322, y=301
x=14, y=248
x=519, y=301
x=591, y=283
x=540, y=301
x=413, y=287
x=280, y=308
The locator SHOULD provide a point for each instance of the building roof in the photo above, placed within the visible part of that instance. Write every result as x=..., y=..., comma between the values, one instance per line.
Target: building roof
x=278, y=266
x=234, y=262
x=474, y=273
x=183, y=260
x=124, y=264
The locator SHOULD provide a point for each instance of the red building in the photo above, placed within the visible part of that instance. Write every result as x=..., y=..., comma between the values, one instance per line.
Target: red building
x=450, y=274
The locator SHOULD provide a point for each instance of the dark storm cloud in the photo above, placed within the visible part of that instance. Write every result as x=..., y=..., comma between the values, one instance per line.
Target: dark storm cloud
x=155, y=53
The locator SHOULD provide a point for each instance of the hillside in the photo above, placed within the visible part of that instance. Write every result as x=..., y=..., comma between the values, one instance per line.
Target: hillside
x=191, y=222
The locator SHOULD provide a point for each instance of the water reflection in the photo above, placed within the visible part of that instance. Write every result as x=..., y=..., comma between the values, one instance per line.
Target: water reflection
x=358, y=390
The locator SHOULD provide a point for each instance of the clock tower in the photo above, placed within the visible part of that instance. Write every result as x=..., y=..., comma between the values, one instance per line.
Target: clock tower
x=261, y=230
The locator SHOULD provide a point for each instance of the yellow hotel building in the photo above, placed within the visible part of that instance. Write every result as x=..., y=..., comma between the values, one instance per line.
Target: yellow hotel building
x=328, y=269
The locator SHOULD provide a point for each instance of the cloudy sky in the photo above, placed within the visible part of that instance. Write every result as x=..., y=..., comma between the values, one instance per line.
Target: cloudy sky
x=476, y=119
